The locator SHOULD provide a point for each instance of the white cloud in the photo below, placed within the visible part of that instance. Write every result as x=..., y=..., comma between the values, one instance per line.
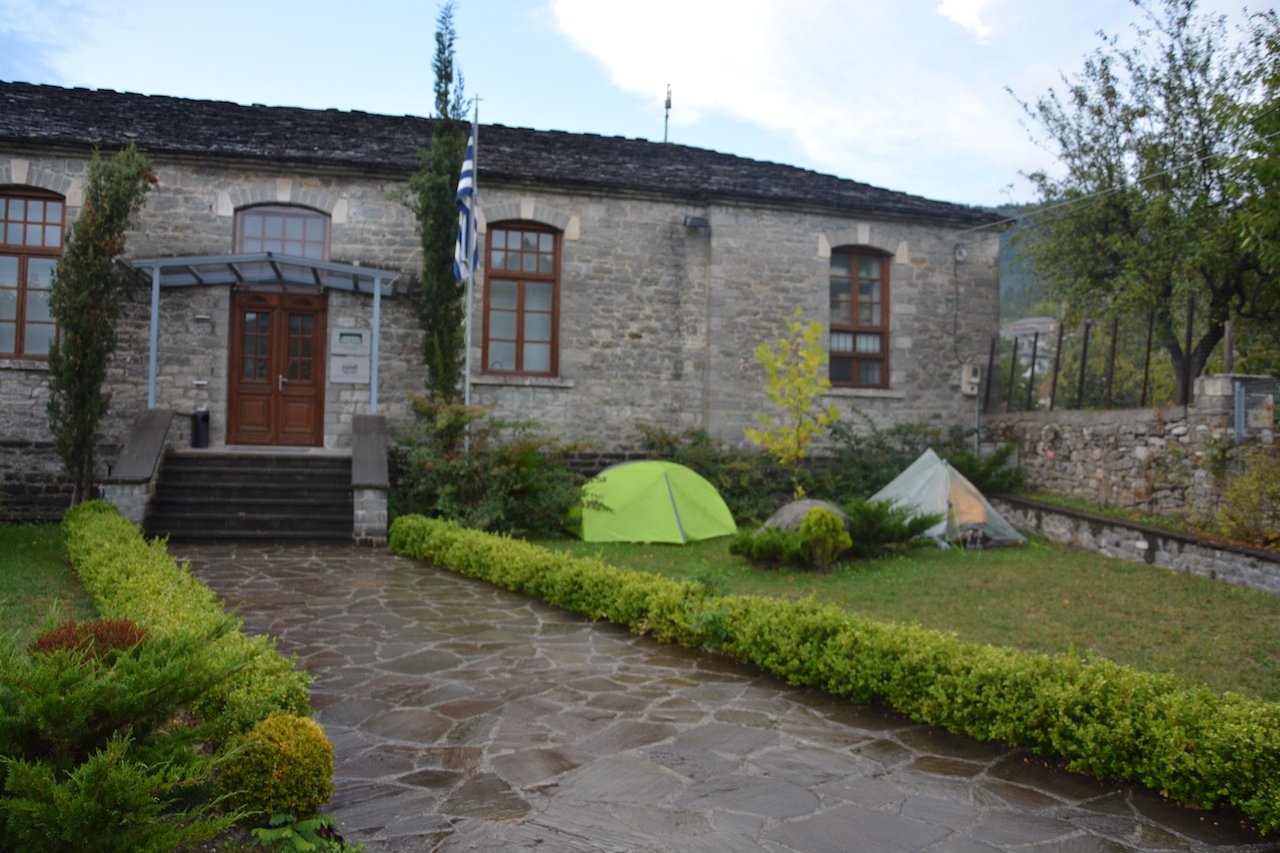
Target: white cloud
x=871, y=92
x=909, y=95
x=698, y=48
x=971, y=15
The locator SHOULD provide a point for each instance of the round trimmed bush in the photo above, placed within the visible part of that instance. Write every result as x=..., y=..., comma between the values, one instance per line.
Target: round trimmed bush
x=824, y=532
x=283, y=765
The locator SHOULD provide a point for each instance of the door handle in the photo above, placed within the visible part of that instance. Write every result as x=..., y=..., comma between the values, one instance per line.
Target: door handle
x=280, y=380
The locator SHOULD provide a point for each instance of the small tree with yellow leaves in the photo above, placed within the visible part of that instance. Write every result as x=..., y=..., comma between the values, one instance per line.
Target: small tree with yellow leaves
x=794, y=381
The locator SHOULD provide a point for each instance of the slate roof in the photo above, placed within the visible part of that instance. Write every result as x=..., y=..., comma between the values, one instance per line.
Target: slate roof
x=61, y=117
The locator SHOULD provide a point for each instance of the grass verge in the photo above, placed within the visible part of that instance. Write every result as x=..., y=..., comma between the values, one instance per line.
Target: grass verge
x=1042, y=597
x=37, y=584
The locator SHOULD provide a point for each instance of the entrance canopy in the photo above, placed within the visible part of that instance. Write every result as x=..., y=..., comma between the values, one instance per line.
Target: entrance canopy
x=263, y=268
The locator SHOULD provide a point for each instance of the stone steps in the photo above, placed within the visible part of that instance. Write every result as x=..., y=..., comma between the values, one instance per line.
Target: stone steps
x=252, y=496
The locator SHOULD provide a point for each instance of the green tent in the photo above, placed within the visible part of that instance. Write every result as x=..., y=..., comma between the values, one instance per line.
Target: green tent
x=652, y=502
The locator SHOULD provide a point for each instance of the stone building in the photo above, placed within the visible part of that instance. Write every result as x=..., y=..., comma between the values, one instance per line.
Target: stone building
x=622, y=282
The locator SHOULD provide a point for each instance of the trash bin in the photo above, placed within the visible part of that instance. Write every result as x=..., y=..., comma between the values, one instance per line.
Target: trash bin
x=200, y=428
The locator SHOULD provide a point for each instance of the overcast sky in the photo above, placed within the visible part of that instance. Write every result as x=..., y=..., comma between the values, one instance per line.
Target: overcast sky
x=905, y=94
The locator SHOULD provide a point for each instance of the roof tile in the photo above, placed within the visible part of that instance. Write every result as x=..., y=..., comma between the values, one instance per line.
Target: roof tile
x=54, y=115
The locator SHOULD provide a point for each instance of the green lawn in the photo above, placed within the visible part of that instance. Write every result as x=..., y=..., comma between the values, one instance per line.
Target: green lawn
x=37, y=584
x=1040, y=597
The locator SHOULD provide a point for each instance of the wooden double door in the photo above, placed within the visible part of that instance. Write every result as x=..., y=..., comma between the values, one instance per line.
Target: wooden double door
x=276, y=375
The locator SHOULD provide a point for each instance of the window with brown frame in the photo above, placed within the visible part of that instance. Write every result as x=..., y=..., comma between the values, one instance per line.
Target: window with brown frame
x=31, y=231
x=859, y=343
x=522, y=299
x=295, y=231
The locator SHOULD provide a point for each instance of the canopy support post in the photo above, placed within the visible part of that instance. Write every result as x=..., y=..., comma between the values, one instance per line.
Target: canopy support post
x=376, y=343
x=154, y=337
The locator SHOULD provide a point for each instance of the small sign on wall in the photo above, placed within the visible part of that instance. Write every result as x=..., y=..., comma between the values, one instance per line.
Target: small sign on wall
x=349, y=369
x=350, y=342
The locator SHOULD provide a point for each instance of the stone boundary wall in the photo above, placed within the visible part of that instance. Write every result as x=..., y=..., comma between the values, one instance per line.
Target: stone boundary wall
x=1149, y=459
x=33, y=486
x=1173, y=461
x=1112, y=537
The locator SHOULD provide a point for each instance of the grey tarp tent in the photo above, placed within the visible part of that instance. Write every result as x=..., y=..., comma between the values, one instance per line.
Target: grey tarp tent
x=930, y=485
x=789, y=516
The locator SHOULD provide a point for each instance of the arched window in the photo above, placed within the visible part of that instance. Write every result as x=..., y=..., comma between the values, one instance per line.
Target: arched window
x=859, y=348
x=295, y=231
x=522, y=299
x=32, y=223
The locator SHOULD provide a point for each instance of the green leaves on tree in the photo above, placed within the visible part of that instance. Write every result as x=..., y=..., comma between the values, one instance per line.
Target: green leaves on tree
x=1158, y=180
x=794, y=381
x=438, y=303
x=88, y=294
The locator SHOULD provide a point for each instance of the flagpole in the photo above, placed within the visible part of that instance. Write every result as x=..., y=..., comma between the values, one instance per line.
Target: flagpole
x=471, y=267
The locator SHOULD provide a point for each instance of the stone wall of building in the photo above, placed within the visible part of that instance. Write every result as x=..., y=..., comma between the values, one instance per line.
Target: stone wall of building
x=658, y=320
x=191, y=211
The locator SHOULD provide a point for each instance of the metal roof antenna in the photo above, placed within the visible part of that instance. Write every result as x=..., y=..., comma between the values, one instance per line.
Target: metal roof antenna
x=666, y=118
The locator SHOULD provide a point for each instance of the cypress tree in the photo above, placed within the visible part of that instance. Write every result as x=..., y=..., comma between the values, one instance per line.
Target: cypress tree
x=439, y=301
x=88, y=294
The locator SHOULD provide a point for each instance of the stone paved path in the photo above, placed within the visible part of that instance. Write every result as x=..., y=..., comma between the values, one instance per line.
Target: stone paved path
x=468, y=718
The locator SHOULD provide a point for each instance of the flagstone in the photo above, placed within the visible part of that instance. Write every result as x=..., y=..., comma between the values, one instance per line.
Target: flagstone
x=464, y=717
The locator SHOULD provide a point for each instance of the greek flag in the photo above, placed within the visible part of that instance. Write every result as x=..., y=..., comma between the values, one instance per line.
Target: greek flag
x=466, y=252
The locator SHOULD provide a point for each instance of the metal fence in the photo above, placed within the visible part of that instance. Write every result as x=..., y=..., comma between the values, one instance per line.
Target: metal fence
x=1104, y=366
x=1093, y=366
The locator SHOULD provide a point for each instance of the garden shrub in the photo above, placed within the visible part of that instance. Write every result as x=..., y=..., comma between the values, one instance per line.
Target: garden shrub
x=224, y=682
x=488, y=474
x=1101, y=717
x=875, y=528
x=865, y=460
x=109, y=803
x=130, y=577
x=99, y=749
x=284, y=832
x=94, y=639
x=62, y=705
x=997, y=473
x=1250, y=508
x=824, y=534
x=883, y=527
x=771, y=547
x=283, y=765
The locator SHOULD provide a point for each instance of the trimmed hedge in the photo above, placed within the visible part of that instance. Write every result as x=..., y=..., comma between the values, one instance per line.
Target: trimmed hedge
x=1105, y=719
x=130, y=577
